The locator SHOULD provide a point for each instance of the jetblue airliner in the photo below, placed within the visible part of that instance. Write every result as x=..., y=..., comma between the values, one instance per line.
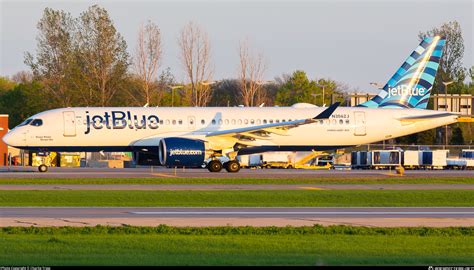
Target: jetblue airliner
x=194, y=137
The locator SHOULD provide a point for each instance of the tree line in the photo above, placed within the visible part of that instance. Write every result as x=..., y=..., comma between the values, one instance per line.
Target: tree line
x=85, y=61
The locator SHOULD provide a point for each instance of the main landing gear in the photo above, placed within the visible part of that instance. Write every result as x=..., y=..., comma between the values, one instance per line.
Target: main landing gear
x=231, y=166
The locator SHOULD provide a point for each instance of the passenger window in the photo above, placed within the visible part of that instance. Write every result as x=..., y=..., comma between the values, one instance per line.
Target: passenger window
x=226, y=121
x=167, y=122
x=161, y=122
x=270, y=121
x=347, y=121
x=258, y=121
x=240, y=121
x=252, y=121
x=180, y=122
x=246, y=121
x=233, y=121
x=333, y=121
x=213, y=121
x=203, y=121
x=341, y=121
x=264, y=121
x=220, y=121
x=321, y=122
x=37, y=122
x=277, y=121
x=174, y=122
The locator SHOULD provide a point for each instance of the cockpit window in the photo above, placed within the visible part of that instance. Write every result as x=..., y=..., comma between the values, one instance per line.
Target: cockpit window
x=37, y=122
x=26, y=122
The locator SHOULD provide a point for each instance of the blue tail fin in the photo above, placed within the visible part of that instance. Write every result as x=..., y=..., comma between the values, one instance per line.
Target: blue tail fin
x=411, y=85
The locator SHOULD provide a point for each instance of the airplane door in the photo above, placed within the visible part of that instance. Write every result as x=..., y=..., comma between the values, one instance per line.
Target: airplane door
x=359, y=129
x=69, y=124
x=191, y=122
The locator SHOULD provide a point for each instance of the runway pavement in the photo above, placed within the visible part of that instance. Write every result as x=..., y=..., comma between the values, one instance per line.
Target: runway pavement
x=243, y=187
x=161, y=172
x=214, y=216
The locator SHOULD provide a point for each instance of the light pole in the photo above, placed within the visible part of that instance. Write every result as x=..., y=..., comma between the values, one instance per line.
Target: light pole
x=446, y=109
x=172, y=92
x=323, y=86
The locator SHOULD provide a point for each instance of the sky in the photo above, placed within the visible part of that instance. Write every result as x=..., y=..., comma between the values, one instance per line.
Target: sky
x=353, y=42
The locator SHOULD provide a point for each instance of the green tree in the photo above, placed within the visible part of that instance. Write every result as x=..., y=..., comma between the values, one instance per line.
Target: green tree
x=102, y=56
x=427, y=137
x=298, y=88
x=457, y=137
x=6, y=84
x=23, y=101
x=451, y=66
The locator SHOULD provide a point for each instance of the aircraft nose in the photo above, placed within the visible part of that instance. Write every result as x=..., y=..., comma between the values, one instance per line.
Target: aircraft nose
x=9, y=138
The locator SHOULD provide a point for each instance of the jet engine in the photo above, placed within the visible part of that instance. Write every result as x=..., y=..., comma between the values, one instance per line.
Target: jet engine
x=182, y=152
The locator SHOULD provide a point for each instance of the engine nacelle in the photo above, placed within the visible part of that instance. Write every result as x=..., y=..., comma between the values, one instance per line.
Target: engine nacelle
x=181, y=152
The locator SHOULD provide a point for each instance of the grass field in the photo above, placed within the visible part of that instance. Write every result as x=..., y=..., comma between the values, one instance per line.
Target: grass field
x=336, y=245
x=250, y=198
x=197, y=181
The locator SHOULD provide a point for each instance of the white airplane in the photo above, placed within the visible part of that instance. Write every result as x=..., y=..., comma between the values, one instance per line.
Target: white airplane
x=193, y=137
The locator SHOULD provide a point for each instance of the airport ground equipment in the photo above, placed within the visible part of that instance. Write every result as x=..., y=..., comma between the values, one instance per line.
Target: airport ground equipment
x=250, y=161
x=316, y=160
x=426, y=159
x=381, y=159
x=361, y=159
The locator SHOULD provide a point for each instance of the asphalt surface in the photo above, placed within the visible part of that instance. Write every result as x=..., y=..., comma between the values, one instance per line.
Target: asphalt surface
x=243, y=187
x=161, y=172
x=228, y=212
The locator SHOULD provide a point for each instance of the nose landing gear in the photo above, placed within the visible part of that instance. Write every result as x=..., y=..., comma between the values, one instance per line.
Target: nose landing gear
x=42, y=168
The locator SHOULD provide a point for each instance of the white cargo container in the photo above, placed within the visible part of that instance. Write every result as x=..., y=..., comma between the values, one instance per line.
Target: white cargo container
x=434, y=159
x=411, y=159
x=467, y=153
x=278, y=157
x=249, y=161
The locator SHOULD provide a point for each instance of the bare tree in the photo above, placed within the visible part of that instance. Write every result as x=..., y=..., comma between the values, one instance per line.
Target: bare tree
x=251, y=70
x=195, y=57
x=148, y=56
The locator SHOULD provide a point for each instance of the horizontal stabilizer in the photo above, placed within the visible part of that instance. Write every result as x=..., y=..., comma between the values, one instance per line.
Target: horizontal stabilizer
x=425, y=117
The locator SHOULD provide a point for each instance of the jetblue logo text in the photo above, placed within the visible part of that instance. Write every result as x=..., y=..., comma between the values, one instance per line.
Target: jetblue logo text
x=182, y=152
x=403, y=90
x=120, y=120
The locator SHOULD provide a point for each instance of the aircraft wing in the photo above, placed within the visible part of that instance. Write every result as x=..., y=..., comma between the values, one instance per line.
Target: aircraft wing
x=263, y=131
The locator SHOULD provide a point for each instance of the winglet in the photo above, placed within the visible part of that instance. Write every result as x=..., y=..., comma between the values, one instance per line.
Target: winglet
x=327, y=113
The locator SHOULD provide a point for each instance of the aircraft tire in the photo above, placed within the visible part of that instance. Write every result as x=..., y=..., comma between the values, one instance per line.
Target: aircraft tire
x=214, y=166
x=232, y=166
x=42, y=168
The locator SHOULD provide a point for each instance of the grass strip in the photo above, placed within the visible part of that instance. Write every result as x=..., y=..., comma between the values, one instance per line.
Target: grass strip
x=240, y=198
x=243, y=230
x=204, y=181
x=334, y=245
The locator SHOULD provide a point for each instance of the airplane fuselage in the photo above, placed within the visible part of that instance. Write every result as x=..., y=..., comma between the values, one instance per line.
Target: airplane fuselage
x=134, y=128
